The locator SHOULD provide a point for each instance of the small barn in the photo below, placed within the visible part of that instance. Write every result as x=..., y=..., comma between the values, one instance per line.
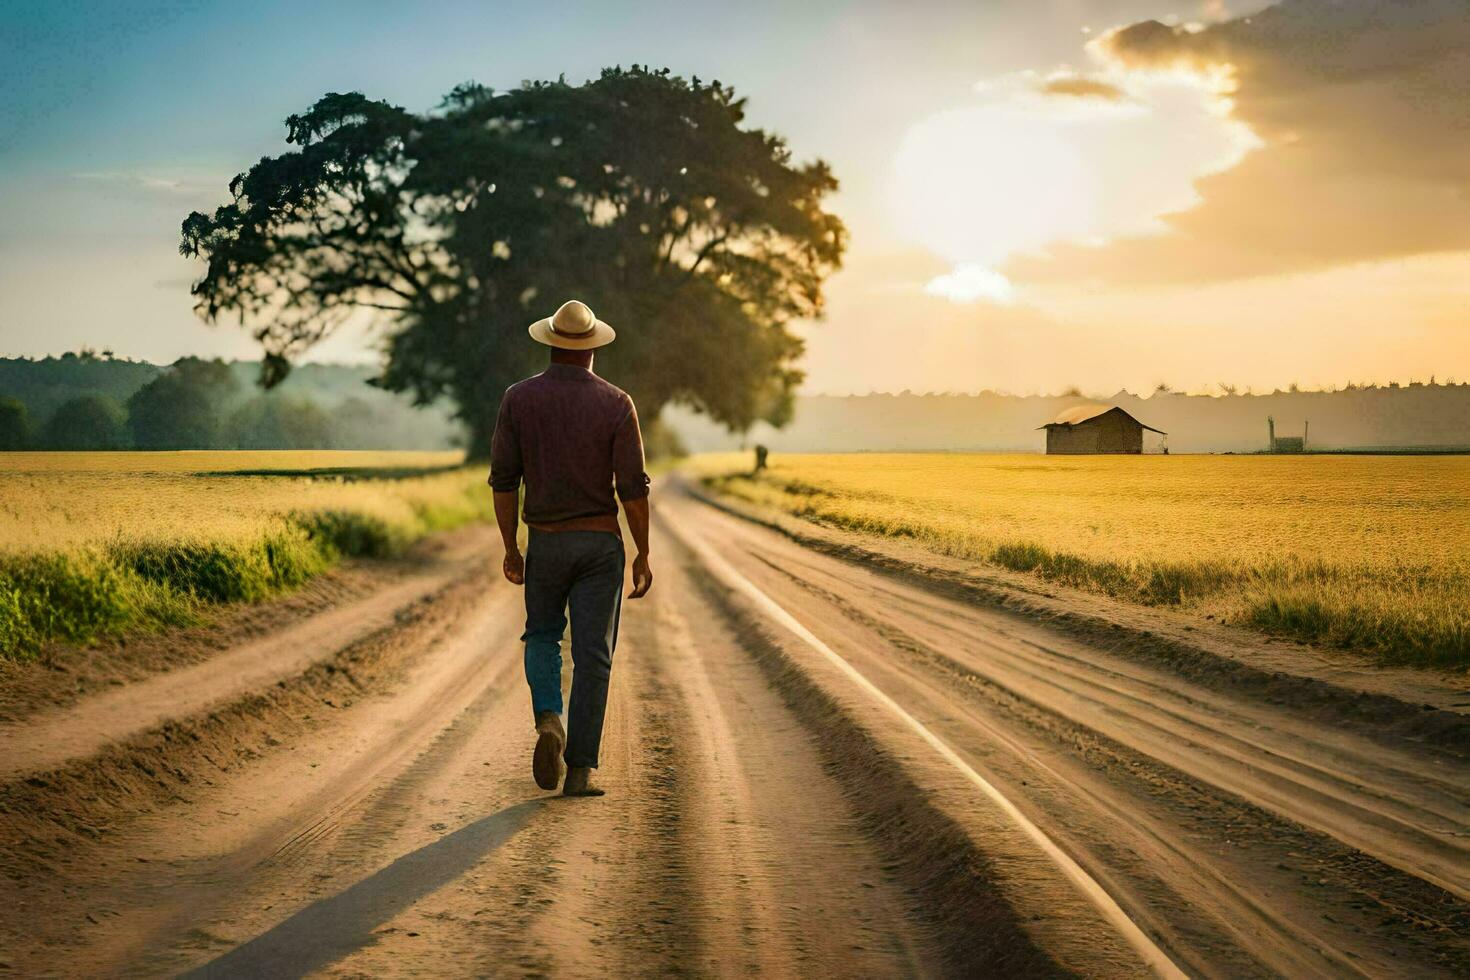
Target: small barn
x=1095, y=429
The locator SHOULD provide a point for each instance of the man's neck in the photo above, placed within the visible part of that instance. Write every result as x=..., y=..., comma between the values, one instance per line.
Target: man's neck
x=572, y=358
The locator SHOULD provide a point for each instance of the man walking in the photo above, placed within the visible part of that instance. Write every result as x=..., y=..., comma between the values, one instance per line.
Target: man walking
x=572, y=438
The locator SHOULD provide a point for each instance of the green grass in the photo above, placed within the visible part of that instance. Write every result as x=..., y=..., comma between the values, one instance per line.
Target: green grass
x=82, y=594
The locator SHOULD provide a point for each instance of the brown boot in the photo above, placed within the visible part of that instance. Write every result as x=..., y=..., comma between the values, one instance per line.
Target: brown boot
x=551, y=738
x=577, y=783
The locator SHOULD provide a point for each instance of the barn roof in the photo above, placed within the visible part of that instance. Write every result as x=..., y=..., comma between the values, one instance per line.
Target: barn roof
x=1078, y=414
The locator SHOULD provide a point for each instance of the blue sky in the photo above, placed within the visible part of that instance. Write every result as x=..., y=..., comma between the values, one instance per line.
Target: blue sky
x=118, y=118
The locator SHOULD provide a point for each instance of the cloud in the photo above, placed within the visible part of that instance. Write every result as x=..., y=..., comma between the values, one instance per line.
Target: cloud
x=1083, y=88
x=972, y=284
x=1360, y=109
x=145, y=182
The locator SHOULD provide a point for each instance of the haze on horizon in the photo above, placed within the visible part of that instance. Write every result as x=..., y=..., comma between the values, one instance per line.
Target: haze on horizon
x=1040, y=194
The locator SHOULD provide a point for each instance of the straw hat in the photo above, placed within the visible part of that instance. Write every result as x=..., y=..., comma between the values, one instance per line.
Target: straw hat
x=573, y=327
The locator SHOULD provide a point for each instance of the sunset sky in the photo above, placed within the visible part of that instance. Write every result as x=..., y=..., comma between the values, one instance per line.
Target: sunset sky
x=1040, y=194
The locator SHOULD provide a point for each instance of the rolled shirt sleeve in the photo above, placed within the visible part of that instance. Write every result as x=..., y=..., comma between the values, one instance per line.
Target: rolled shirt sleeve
x=506, y=466
x=629, y=475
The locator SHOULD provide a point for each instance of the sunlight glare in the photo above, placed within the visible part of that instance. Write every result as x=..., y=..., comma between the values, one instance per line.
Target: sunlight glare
x=976, y=185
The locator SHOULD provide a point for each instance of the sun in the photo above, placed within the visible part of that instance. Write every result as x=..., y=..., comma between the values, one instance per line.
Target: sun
x=976, y=185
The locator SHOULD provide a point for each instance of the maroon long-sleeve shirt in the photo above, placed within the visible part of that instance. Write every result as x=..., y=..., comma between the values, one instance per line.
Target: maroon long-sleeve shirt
x=572, y=438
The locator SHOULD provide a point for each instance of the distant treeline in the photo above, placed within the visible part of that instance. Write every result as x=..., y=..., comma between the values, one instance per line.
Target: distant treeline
x=91, y=401
x=1417, y=415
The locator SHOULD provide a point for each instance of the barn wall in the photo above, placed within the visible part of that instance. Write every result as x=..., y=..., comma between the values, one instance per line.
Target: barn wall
x=1106, y=434
x=1072, y=439
x=1119, y=435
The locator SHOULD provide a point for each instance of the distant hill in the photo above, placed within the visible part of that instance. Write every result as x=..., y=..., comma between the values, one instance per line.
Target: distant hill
x=45, y=385
x=1414, y=415
x=359, y=416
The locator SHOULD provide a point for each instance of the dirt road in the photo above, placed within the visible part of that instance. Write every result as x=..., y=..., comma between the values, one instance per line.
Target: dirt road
x=813, y=767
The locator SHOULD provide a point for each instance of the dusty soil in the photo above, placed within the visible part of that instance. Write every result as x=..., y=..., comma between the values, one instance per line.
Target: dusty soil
x=360, y=803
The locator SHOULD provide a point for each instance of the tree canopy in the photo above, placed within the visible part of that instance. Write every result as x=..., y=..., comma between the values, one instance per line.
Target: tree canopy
x=15, y=425
x=640, y=192
x=279, y=422
x=180, y=409
x=44, y=384
x=88, y=422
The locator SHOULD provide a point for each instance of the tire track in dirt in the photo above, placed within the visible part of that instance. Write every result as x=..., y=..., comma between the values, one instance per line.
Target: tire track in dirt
x=152, y=832
x=1181, y=852
x=1000, y=908
x=1173, y=874
x=787, y=881
x=431, y=821
x=50, y=739
x=723, y=847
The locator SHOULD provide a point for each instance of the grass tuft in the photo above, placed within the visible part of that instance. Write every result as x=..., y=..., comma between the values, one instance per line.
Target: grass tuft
x=345, y=533
x=68, y=597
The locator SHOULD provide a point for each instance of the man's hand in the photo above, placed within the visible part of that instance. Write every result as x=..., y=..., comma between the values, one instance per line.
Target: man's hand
x=642, y=577
x=507, y=516
x=636, y=511
x=514, y=567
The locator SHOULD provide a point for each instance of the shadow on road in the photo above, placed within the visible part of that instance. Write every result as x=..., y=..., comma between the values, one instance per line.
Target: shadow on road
x=327, y=930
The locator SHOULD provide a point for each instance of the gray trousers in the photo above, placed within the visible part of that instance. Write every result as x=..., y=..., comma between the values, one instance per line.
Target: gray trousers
x=578, y=573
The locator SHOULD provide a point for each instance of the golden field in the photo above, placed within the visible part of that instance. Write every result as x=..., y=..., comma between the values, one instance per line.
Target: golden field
x=1364, y=552
x=60, y=501
x=92, y=544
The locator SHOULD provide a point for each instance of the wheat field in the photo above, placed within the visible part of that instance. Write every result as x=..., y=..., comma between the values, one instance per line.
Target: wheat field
x=93, y=544
x=1363, y=552
x=61, y=501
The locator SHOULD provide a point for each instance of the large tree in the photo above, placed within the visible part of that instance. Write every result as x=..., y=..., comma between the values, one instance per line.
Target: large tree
x=640, y=192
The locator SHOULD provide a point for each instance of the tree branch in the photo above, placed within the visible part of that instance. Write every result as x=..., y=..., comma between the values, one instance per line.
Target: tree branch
x=704, y=253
